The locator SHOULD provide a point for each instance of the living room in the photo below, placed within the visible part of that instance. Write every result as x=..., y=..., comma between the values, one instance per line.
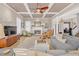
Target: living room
x=39, y=29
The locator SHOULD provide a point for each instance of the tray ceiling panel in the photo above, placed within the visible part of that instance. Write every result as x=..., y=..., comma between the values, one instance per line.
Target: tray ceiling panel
x=58, y=7
x=27, y=10
x=33, y=6
x=18, y=7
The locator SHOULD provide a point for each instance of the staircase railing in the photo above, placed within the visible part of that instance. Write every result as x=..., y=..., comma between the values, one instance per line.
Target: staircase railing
x=75, y=30
x=74, y=27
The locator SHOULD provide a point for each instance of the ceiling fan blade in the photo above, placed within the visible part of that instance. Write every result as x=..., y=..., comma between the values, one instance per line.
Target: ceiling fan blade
x=44, y=8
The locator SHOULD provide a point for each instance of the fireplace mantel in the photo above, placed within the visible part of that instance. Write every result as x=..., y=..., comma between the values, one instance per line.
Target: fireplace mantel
x=38, y=29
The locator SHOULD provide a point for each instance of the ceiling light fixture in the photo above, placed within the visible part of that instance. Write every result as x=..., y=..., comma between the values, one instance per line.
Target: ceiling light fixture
x=41, y=9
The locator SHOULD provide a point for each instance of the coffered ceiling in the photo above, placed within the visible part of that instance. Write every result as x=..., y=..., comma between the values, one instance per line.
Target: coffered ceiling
x=26, y=10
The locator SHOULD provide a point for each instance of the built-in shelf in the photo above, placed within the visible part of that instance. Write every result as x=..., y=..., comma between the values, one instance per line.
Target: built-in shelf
x=38, y=27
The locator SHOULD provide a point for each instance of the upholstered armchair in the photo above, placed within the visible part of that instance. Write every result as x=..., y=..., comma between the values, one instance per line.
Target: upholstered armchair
x=47, y=35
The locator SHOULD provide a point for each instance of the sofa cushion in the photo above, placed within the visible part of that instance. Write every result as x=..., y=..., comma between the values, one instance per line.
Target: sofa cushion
x=71, y=40
x=59, y=45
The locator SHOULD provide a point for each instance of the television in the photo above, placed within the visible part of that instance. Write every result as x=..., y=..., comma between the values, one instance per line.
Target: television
x=9, y=30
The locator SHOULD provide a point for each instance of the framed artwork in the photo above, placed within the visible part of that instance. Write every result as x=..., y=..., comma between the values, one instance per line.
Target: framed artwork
x=66, y=25
x=62, y=27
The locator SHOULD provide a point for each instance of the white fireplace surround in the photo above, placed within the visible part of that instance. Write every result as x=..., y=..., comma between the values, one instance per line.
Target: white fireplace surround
x=38, y=29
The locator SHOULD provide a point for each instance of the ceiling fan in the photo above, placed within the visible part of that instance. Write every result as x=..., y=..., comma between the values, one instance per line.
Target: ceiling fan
x=40, y=9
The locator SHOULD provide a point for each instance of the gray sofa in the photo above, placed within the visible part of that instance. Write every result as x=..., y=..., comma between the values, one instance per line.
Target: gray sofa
x=59, y=45
x=72, y=40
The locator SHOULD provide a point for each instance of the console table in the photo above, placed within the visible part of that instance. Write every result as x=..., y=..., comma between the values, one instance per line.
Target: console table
x=8, y=40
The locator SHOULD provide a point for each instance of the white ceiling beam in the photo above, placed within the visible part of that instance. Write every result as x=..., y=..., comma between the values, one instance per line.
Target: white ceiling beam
x=37, y=18
x=49, y=7
x=22, y=12
x=36, y=13
x=27, y=8
x=52, y=12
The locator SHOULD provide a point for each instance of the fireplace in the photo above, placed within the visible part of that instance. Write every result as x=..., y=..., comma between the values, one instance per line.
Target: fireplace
x=37, y=32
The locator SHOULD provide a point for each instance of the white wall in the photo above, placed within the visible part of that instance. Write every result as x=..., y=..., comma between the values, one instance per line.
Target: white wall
x=18, y=22
x=7, y=16
x=28, y=26
x=55, y=27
